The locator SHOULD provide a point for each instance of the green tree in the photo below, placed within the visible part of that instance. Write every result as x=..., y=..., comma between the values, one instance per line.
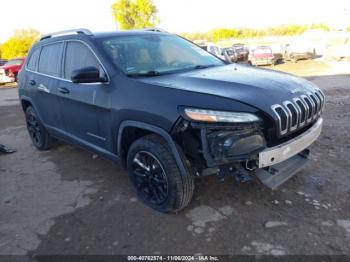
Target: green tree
x=320, y=26
x=19, y=44
x=135, y=14
x=223, y=33
x=226, y=33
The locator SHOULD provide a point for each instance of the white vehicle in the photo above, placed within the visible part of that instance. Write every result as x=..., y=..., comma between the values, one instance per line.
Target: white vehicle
x=338, y=53
x=215, y=50
x=297, y=51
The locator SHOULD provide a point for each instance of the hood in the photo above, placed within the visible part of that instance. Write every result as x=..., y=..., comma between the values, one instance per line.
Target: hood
x=256, y=87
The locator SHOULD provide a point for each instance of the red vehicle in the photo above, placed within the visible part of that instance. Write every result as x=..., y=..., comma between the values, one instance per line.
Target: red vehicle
x=261, y=55
x=9, y=71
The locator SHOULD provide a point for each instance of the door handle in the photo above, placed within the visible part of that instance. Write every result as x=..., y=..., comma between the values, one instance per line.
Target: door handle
x=63, y=90
x=32, y=82
x=43, y=88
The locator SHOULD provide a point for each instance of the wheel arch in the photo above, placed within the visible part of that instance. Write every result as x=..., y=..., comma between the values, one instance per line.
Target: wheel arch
x=123, y=144
x=26, y=102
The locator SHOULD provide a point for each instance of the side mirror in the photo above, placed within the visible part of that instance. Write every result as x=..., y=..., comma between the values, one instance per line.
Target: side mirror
x=88, y=74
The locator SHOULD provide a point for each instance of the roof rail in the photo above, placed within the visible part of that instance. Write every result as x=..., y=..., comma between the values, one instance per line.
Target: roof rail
x=154, y=30
x=68, y=32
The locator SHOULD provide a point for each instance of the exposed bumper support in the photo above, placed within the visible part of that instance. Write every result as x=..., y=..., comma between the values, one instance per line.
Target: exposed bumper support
x=277, y=174
x=274, y=155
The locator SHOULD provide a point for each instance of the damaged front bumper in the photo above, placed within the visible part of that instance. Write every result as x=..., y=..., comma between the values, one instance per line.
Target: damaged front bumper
x=226, y=144
x=274, y=155
x=278, y=164
x=272, y=165
x=276, y=175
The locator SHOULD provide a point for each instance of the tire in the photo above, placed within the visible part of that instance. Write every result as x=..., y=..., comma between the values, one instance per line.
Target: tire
x=159, y=183
x=16, y=77
x=37, y=132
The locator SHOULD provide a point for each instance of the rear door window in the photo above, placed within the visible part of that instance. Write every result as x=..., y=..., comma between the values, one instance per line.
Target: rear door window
x=50, y=59
x=78, y=56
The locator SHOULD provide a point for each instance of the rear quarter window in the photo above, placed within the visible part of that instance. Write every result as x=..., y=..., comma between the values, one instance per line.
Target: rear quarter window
x=50, y=59
x=33, y=60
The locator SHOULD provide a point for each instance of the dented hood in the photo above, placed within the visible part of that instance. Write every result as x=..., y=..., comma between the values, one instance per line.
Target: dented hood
x=257, y=87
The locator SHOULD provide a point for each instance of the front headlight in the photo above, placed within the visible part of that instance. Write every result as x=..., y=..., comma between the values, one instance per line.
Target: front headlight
x=204, y=115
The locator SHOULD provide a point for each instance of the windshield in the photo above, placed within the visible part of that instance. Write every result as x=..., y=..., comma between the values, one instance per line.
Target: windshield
x=156, y=54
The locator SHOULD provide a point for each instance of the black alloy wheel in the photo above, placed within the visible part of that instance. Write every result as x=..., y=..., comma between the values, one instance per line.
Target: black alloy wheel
x=150, y=178
x=37, y=132
x=156, y=175
x=34, y=129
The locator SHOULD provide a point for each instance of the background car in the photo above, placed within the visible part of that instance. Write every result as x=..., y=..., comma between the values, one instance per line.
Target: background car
x=297, y=51
x=215, y=50
x=261, y=55
x=9, y=71
x=338, y=53
x=231, y=53
x=277, y=51
x=2, y=62
x=241, y=51
x=218, y=52
x=226, y=54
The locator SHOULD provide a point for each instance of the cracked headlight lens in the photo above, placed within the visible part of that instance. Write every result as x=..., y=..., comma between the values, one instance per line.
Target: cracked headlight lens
x=212, y=116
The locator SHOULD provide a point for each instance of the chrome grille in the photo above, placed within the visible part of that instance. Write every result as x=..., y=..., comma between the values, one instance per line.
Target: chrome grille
x=294, y=114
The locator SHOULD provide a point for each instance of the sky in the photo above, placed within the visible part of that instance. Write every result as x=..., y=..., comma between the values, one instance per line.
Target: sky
x=175, y=15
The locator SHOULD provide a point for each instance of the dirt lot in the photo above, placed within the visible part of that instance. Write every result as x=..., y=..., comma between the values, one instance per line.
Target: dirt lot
x=68, y=201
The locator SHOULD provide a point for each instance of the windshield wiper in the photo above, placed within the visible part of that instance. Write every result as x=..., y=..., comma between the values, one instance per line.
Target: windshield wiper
x=148, y=73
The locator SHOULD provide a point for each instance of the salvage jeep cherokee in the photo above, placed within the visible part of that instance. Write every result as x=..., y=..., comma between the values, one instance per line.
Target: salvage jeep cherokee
x=167, y=110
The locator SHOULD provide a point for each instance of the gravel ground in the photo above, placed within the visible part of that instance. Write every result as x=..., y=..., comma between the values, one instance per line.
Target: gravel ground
x=69, y=201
